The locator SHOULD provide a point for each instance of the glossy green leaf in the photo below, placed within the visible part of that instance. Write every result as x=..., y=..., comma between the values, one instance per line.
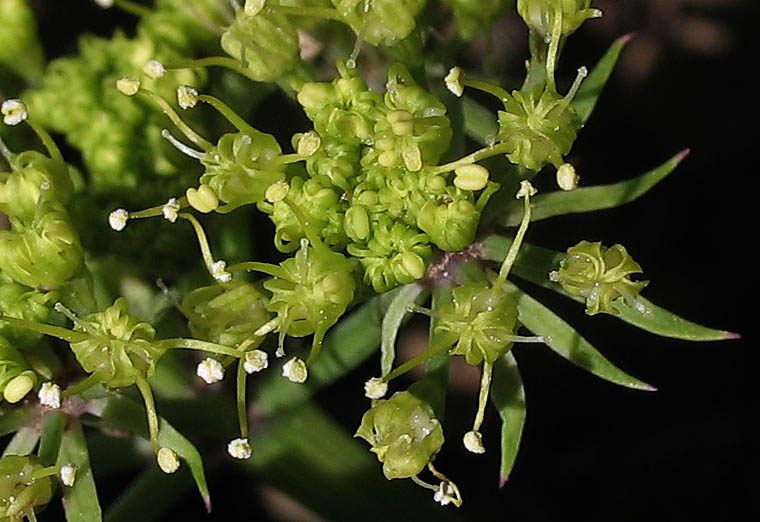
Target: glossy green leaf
x=123, y=413
x=23, y=442
x=50, y=437
x=567, y=342
x=433, y=386
x=15, y=418
x=592, y=86
x=80, y=501
x=347, y=345
x=534, y=264
x=392, y=320
x=508, y=395
x=667, y=324
x=587, y=199
x=308, y=456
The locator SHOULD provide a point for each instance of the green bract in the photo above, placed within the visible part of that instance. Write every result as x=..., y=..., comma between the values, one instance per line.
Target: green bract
x=265, y=43
x=241, y=167
x=33, y=174
x=24, y=486
x=403, y=433
x=541, y=15
x=483, y=319
x=380, y=21
x=599, y=275
x=43, y=252
x=22, y=302
x=539, y=126
x=313, y=292
x=118, y=347
x=226, y=313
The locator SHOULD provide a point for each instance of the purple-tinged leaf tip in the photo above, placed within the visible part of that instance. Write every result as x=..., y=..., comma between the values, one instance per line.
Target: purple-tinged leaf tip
x=731, y=335
x=648, y=387
x=681, y=155
x=628, y=37
x=207, y=501
x=503, y=480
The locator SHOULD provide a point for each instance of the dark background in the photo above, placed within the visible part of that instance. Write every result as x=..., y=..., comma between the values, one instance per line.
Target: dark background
x=592, y=450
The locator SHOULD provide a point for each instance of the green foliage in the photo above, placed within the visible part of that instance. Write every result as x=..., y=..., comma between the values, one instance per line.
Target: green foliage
x=378, y=206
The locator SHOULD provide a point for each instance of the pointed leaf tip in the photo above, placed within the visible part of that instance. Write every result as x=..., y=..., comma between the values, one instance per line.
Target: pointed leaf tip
x=731, y=335
x=628, y=37
x=503, y=481
x=681, y=155
x=207, y=502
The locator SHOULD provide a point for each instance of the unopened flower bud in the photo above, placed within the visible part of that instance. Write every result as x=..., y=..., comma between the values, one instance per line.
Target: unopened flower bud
x=13, y=111
x=471, y=177
x=375, y=388
x=128, y=85
x=254, y=7
x=17, y=388
x=255, y=361
x=167, y=460
x=210, y=370
x=203, y=199
x=187, y=97
x=295, y=370
x=453, y=81
x=277, y=191
x=239, y=448
x=567, y=179
x=50, y=395
x=309, y=144
x=154, y=69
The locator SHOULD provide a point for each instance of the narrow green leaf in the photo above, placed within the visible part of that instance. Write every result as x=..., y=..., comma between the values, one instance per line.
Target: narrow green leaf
x=479, y=123
x=534, y=264
x=123, y=413
x=508, y=395
x=394, y=316
x=50, y=438
x=149, y=497
x=667, y=324
x=567, y=342
x=23, y=442
x=80, y=501
x=15, y=418
x=592, y=86
x=347, y=345
x=307, y=455
x=587, y=199
x=433, y=386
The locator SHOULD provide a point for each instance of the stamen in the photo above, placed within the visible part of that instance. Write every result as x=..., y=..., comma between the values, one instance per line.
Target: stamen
x=68, y=474
x=239, y=449
x=167, y=109
x=295, y=370
x=184, y=149
x=473, y=440
x=526, y=191
x=230, y=115
x=50, y=395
